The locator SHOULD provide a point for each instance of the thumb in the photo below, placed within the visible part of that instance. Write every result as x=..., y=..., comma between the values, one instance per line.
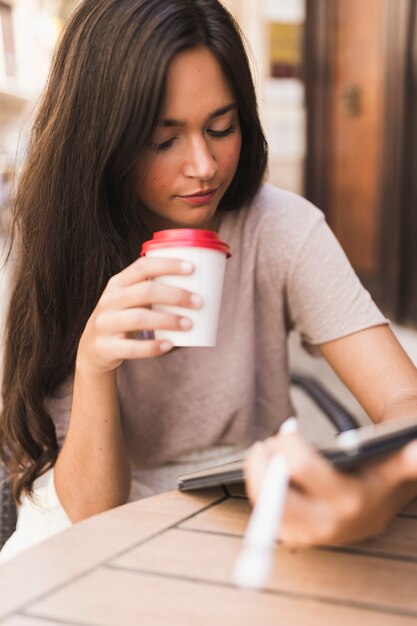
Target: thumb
x=401, y=465
x=408, y=461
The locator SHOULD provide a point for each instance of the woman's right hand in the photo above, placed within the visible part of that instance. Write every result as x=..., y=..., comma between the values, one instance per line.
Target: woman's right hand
x=124, y=310
x=325, y=506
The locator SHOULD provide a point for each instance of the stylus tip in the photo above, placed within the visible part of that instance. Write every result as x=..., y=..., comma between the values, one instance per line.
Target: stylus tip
x=253, y=567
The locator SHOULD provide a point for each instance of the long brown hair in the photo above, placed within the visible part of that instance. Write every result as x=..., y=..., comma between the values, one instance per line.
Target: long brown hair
x=76, y=216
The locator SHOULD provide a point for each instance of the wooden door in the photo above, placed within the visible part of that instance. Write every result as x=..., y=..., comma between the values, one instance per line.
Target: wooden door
x=356, y=108
x=355, y=70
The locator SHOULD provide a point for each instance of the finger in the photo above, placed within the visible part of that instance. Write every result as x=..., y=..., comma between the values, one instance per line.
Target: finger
x=293, y=532
x=306, y=522
x=408, y=461
x=116, y=348
x=136, y=319
x=255, y=466
x=150, y=292
x=308, y=469
x=298, y=521
x=148, y=267
x=397, y=467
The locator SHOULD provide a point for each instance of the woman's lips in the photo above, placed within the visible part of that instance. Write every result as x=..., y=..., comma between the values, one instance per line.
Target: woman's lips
x=200, y=198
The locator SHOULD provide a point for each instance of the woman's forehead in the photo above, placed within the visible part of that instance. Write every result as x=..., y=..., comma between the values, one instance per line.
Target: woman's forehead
x=195, y=84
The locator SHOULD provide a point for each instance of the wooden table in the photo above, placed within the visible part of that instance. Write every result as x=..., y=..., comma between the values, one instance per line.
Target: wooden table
x=169, y=560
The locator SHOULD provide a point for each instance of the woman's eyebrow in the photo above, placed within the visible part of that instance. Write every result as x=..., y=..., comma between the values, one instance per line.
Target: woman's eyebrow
x=169, y=122
x=223, y=110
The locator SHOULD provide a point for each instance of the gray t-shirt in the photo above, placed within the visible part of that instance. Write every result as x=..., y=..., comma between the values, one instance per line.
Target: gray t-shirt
x=287, y=271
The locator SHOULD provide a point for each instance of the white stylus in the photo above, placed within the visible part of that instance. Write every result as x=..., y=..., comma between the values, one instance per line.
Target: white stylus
x=254, y=562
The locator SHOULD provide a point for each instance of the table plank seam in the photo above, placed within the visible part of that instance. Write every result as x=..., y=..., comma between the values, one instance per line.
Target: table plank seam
x=219, y=533
x=165, y=529
x=378, y=554
x=232, y=495
x=81, y=574
x=355, y=551
x=367, y=606
x=53, y=620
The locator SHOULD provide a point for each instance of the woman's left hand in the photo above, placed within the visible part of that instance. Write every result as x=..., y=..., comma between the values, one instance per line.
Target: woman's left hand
x=327, y=506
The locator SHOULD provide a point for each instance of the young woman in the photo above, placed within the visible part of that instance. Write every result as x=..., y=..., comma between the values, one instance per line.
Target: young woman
x=149, y=121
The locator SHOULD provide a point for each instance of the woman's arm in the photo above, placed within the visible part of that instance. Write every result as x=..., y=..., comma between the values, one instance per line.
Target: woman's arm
x=378, y=372
x=325, y=505
x=92, y=472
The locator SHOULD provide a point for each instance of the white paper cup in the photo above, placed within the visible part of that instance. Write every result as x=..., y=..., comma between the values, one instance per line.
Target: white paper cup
x=205, y=250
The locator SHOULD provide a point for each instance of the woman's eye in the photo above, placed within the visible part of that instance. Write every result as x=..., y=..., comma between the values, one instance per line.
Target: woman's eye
x=223, y=133
x=164, y=145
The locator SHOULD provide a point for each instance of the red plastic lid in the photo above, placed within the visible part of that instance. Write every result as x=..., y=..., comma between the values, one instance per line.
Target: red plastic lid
x=186, y=238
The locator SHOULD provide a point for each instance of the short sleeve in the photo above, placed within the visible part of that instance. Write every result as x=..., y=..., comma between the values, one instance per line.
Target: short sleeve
x=326, y=299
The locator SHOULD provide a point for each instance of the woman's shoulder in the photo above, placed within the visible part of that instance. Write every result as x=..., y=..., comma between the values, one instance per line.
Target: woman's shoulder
x=279, y=217
x=285, y=207
x=272, y=228
x=276, y=220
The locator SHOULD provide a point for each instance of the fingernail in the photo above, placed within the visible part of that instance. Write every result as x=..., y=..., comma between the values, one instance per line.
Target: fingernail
x=257, y=447
x=165, y=346
x=185, y=323
x=270, y=445
x=185, y=266
x=289, y=426
x=410, y=453
x=196, y=300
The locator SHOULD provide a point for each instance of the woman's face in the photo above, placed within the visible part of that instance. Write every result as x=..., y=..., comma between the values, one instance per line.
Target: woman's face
x=197, y=145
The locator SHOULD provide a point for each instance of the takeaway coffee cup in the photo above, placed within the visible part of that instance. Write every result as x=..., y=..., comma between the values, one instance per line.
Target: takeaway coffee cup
x=208, y=254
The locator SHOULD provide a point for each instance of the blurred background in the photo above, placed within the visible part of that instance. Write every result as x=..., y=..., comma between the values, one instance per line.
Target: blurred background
x=337, y=85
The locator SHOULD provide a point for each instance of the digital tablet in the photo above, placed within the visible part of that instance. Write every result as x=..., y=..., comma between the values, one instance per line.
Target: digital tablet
x=346, y=451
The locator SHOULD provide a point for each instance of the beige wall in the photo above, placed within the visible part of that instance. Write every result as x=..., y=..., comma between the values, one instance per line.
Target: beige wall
x=249, y=15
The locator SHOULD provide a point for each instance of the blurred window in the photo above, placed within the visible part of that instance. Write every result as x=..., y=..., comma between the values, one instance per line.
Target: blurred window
x=285, y=49
x=7, y=36
x=284, y=92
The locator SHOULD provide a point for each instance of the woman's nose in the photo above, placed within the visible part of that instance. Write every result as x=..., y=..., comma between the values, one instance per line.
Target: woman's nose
x=200, y=162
